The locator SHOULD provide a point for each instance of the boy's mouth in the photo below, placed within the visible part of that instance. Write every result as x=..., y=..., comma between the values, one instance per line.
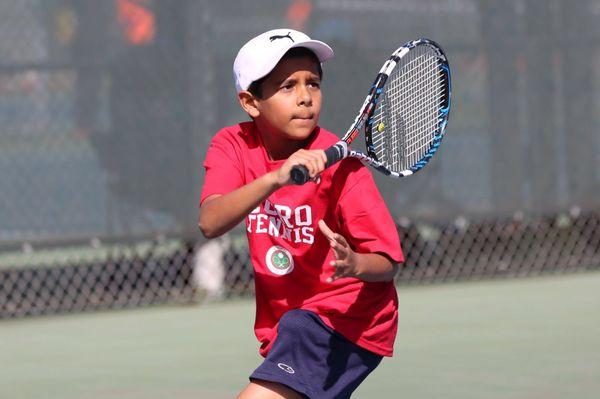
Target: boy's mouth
x=303, y=117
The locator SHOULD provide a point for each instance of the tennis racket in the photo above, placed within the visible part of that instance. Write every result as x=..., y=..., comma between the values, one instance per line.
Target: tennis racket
x=404, y=115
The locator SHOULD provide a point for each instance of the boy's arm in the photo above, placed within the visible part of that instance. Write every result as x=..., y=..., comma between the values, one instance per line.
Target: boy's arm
x=371, y=267
x=221, y=213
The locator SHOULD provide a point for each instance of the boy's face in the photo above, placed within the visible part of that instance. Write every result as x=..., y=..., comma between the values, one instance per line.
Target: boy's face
x=291, y=99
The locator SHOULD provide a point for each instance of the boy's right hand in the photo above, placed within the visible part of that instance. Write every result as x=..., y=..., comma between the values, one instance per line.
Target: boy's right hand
x=313, y=160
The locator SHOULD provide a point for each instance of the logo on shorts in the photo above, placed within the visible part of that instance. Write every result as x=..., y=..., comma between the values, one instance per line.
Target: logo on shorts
x=286, y=368
x=279, y=260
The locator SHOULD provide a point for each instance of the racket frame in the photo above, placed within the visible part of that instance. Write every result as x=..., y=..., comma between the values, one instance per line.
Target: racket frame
x=341, y=149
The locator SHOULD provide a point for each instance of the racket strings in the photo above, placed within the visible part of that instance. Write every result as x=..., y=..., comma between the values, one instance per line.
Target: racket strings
x=406, y=118
x=425, y=107
x=421, y=111
x=412, y=93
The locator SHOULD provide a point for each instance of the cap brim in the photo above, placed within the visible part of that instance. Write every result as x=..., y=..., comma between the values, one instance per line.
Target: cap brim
x=321, y=50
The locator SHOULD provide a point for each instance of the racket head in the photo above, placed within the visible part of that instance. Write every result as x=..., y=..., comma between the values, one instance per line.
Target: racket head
x=411, y=106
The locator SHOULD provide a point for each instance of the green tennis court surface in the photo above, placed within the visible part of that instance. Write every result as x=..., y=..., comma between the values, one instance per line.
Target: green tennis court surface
x=532, y=338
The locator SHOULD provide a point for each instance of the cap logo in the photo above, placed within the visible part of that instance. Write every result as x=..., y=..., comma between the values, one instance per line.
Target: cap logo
x=289, y=36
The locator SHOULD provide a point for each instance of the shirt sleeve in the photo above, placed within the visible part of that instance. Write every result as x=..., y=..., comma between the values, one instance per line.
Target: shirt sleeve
x=223, y=167
x=363, y=215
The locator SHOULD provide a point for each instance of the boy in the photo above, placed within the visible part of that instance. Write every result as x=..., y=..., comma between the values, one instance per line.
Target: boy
x=325, y=253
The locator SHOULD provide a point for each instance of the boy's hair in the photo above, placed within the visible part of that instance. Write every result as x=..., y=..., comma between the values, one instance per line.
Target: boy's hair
x=297, y=52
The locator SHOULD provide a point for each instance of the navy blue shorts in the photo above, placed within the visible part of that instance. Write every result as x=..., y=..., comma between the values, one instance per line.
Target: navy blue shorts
x=314, y=360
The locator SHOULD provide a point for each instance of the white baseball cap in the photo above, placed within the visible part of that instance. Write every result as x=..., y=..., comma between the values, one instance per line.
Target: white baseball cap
x=261, y=54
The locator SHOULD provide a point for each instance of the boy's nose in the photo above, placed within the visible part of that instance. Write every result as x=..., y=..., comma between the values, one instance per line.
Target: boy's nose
x=304, y=96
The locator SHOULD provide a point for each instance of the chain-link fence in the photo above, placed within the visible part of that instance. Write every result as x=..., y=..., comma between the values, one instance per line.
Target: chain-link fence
x=100, y=277
x=119, y=276
x=107, y=108
x=519, y=246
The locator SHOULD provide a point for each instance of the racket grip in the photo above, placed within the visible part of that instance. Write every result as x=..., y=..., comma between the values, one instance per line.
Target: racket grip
x=299, y=173
x=336, y=153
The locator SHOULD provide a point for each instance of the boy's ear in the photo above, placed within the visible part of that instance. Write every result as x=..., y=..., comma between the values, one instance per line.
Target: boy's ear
x=249, y=103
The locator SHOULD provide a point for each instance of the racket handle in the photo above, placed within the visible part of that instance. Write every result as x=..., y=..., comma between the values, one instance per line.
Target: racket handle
x=299, y=174
x=334, y=154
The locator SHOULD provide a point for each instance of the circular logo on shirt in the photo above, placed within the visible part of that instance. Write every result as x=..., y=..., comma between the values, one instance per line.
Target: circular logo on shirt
x=279, y=260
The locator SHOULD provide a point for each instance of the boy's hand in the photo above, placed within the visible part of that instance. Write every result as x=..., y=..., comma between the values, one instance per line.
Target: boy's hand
x=313, y=160
x=346, y=263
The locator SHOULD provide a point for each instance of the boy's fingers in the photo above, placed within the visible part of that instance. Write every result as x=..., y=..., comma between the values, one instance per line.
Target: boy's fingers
x=336, y=275
x=314, y=161
x=338, y=242
x=318, y=158
x=331, y=235
x=327, y=232
x=338, y=264
x=322, y=159
x=306, y=161
x=339, y=251
x=340, y=271
x=318, y=166
x=341, y=240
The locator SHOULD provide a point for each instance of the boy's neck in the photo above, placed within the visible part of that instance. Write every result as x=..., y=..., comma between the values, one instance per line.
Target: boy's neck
x=279, y=148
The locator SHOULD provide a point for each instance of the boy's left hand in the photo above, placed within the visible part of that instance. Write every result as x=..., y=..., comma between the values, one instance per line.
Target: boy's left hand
x=346, y=262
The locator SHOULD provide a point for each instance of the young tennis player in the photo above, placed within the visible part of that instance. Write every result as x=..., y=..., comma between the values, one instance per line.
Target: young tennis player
x=325, y=253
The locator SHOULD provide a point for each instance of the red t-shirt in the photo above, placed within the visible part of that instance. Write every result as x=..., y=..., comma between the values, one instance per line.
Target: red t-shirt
x=289, y=253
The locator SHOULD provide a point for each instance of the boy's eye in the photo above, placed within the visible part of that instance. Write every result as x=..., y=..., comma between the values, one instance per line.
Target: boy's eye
x=287, y=86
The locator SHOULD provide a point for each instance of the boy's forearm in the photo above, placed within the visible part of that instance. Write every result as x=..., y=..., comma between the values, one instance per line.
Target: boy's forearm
x=374, y=267
x=221, y=214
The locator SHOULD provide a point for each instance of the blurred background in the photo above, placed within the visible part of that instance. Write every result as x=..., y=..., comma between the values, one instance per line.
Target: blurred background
x=107, y=108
